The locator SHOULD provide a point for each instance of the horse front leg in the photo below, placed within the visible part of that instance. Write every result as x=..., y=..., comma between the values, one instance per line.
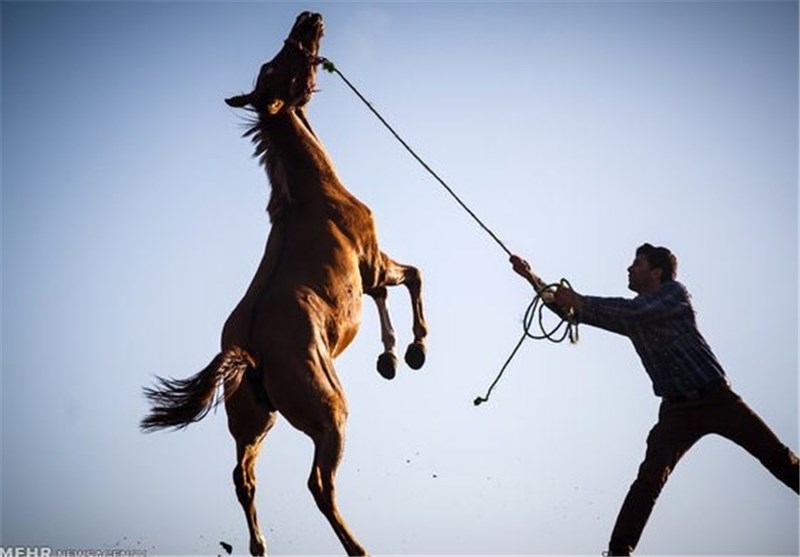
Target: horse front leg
x=387, y=362
x=393, y=275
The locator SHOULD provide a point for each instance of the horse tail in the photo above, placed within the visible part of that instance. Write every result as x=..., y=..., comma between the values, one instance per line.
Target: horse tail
x=176, y=403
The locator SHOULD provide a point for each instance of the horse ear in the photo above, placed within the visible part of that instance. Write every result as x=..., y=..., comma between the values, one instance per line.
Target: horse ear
x=238, y=101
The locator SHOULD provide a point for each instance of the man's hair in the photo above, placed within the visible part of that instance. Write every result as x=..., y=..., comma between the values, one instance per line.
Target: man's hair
x=660, y=258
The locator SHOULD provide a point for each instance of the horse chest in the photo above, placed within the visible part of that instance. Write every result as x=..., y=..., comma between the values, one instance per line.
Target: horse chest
x=353, y=218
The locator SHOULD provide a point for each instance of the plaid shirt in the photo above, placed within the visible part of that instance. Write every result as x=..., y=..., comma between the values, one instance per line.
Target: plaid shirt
x=662, y=328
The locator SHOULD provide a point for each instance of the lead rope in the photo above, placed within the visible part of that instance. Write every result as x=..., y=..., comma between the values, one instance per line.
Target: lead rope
x=328, y=66
x=568, y=321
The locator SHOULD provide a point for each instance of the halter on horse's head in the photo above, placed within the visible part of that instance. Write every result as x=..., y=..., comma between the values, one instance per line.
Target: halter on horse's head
x=288, y=80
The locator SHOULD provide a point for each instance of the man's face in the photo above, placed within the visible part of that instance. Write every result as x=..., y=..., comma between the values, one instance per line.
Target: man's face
x=642, y=277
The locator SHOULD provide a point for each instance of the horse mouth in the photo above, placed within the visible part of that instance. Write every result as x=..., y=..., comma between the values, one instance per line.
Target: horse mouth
x=308, y=30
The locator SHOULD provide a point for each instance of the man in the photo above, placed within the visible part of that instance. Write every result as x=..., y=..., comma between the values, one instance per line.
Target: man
x=696, y=397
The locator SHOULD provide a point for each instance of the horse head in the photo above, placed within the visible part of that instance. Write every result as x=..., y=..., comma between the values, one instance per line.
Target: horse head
x=288, y=80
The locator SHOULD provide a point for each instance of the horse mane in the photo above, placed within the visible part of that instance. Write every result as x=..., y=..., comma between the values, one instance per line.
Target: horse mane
x=280, y=197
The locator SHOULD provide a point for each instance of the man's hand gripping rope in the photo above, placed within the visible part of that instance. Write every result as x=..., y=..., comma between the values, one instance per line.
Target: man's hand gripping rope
x=546, y=296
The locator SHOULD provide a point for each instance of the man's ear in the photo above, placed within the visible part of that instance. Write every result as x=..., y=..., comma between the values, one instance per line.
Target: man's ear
x=658, y=274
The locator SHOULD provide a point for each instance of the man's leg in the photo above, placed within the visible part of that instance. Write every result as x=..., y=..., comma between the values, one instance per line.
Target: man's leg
x=739, y=423
x=668, y=441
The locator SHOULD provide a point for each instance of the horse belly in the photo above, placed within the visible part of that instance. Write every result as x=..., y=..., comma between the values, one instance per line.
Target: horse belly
x=318, y=293
x=300, y=318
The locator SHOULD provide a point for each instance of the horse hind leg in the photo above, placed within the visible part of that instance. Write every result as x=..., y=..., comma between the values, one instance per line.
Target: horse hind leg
x=244, y=479
x=249, y=421
x=318, y=408
x=328, y=450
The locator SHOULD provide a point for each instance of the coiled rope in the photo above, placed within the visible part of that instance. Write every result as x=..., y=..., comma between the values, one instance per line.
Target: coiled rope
x=566, y=328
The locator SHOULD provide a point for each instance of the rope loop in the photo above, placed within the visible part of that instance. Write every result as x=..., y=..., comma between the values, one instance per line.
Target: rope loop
x=567, y=327
x=568, y=324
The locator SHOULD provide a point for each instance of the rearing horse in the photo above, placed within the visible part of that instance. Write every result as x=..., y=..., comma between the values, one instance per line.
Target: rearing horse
x=303, y=307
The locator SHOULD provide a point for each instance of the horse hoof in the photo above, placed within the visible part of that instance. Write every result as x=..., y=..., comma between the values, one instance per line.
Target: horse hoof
x=387, y=365
x=257, y=547
x=415, y=355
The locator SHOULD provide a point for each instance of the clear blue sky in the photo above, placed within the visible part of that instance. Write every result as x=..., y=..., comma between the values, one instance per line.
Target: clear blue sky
x=133, y=218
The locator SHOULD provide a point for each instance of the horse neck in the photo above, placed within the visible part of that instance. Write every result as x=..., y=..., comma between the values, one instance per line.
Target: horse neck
x=299, y=168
